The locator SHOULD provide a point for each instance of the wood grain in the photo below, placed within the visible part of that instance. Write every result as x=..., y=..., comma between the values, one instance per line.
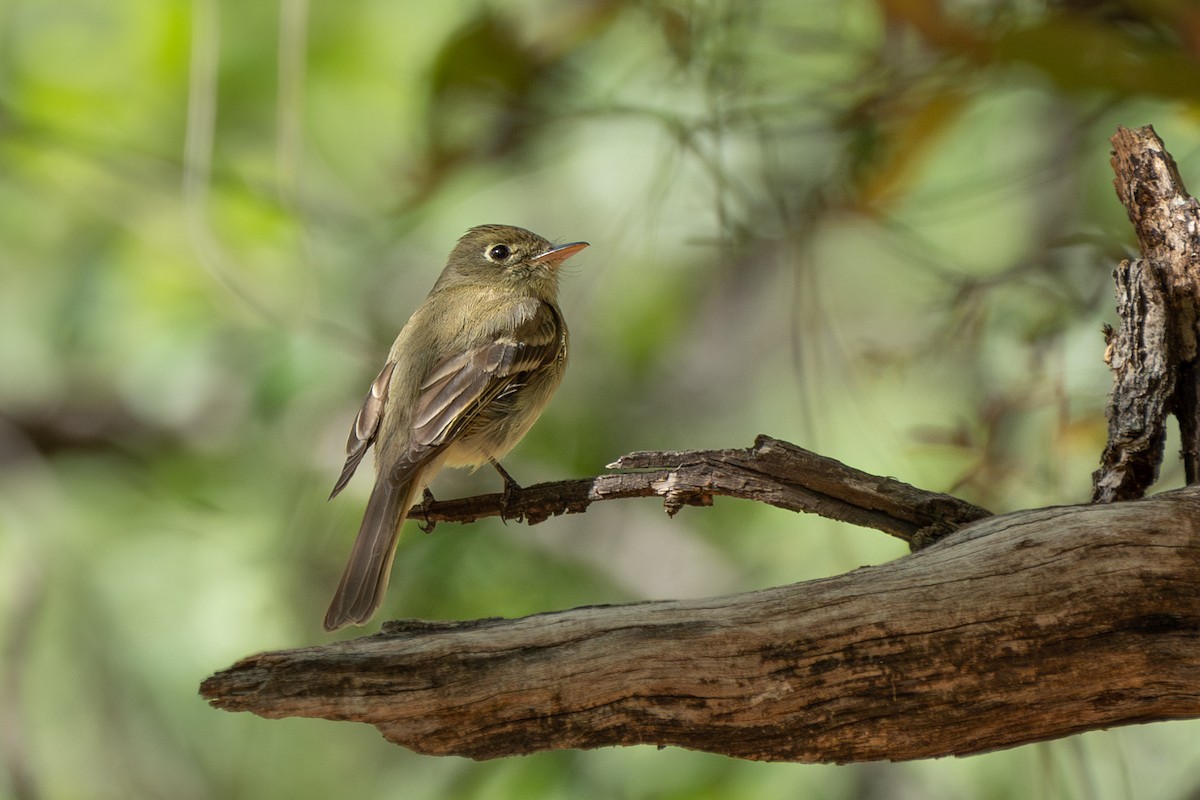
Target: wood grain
x=1018, y=628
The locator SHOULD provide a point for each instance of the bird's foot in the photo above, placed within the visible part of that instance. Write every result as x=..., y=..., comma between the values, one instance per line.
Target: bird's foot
x=511, y=487
x=426, y=501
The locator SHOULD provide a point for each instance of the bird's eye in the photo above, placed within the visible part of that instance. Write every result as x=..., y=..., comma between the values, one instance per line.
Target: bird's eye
x=499, y=252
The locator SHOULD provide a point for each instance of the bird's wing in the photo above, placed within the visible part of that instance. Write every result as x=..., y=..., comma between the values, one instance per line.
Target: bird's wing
x=455, y=392
x=460, y=387
x=366, y=426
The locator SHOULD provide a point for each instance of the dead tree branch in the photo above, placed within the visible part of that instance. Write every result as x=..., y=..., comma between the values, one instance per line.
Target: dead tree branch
x=1017, y=628
x=772, y=471
x=1153, y=354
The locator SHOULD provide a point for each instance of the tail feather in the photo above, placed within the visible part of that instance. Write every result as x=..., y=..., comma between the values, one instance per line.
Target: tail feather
x=365, y=580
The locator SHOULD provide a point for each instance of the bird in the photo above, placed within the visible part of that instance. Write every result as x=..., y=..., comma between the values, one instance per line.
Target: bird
x=465, y=380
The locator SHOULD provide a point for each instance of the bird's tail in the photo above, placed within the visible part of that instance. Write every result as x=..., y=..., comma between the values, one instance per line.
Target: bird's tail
x=365, y=580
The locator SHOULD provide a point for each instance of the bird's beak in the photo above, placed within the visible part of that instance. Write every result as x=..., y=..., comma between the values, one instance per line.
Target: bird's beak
x=556, y=255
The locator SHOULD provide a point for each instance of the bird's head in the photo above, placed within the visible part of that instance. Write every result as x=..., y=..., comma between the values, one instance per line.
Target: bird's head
x=509, y=256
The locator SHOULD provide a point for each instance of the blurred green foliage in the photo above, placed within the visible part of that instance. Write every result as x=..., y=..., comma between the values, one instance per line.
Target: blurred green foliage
x=882, y=230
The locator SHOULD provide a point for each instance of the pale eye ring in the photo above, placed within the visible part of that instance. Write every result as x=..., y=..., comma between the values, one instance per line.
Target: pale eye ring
x=499, y=252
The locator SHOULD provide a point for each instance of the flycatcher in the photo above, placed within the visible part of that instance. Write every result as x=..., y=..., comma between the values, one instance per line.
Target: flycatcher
x=466, y=378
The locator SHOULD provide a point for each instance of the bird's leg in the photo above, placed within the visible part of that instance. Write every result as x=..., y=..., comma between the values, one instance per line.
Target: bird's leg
x=426, y=501
x=510, y=486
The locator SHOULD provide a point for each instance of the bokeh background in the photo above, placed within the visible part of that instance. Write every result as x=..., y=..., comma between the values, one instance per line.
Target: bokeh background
x=882, y=229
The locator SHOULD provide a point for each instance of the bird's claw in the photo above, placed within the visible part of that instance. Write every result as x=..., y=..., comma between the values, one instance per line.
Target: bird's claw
x=426, y=501
x=511, y=487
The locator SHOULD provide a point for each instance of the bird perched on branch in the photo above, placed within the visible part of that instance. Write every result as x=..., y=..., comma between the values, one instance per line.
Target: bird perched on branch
x=470, y=372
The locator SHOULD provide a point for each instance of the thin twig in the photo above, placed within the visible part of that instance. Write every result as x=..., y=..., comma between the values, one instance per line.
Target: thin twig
x=772, y=471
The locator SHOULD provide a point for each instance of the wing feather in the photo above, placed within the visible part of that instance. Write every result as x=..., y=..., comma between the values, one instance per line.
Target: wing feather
x=456, y=391
x=460, y=387
x=365, y=427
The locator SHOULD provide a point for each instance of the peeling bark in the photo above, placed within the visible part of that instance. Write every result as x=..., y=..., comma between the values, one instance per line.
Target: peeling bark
x=1153, y=355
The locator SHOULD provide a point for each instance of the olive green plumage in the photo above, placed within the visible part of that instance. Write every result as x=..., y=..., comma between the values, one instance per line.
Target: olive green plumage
x=467, y=377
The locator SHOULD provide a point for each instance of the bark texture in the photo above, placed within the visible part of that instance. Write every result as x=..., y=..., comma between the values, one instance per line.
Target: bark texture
x=1153, y=353
x=772, y=471
x=1018, y=628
